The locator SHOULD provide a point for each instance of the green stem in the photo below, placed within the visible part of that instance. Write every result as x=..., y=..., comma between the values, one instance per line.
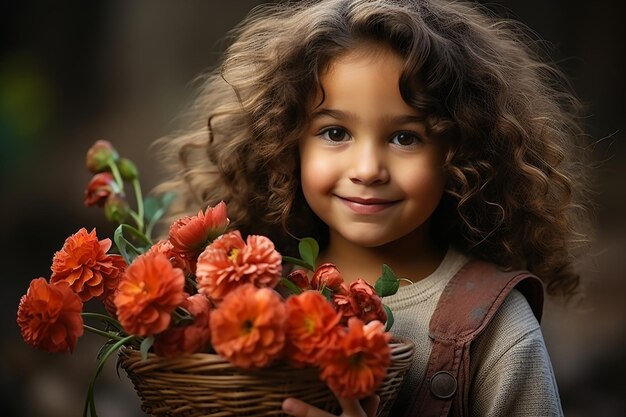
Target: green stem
x=182, y=316
x=192, y=282
x=90, y=407
x=139, y=197
x=103, y=317
x=299, y=262
x=101, y=332
x=116, y=174
x=149, y=230
x=135, y=217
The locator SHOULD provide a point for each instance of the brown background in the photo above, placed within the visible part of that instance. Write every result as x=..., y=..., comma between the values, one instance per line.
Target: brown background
x=72, y=72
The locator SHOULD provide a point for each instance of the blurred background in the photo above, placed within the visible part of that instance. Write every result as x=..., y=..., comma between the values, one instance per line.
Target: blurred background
x=72, y=72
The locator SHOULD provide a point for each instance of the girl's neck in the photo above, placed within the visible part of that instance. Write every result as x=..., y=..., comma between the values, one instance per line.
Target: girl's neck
x=414, y=256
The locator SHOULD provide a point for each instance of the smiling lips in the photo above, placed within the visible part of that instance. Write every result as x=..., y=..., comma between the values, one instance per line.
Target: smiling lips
x=366, y=205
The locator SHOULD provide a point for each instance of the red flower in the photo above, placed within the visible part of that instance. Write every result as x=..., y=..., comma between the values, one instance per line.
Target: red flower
x=49, y=316
x=84, y=264
x=326, y=276
x=361, y=301
x=166, y=248
x=190, y=338
x=260, y=262
x=311, y=326
x=190, y=235
x=300, y=279
x=248, y=327
x=355, y=366
x=147, y=294
x=100, y=187
x=229, y=262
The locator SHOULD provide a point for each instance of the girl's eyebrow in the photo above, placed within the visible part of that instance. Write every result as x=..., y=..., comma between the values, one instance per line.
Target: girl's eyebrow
x=405, y=119
x=342, y=115
x=333, y=113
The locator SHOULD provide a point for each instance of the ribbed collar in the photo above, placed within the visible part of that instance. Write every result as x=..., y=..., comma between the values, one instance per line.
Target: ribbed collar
x=433, y=283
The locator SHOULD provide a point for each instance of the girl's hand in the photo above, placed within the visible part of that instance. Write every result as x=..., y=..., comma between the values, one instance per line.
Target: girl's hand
x=350, y=407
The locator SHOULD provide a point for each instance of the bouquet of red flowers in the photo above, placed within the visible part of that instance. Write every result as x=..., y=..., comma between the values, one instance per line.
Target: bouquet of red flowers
x=205, y=289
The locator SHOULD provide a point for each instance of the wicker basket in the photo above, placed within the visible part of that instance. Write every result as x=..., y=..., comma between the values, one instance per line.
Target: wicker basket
x=208, y=385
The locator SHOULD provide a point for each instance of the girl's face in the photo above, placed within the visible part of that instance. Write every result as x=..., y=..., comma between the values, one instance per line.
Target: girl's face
x=368, y=169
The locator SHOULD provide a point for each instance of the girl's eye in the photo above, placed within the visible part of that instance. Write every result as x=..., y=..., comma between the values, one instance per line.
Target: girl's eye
x=335, y=134
x=405, y=139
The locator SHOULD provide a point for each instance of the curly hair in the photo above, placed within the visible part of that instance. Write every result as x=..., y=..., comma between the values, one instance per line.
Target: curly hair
x=515, y=168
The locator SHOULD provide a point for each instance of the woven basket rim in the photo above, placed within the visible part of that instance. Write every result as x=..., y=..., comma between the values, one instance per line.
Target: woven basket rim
x=402, y=343
x=207, y=384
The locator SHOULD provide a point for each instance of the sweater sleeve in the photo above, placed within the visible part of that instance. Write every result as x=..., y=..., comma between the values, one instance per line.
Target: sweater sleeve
x=512, y=372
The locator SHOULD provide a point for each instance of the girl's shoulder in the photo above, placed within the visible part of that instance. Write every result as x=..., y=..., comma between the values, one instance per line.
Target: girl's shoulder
x=481, y=293
x=513, y=321
x=510, y=360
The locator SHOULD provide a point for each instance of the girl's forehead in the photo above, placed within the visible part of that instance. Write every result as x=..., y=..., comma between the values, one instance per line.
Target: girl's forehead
x=364, y=84
x=363, y=54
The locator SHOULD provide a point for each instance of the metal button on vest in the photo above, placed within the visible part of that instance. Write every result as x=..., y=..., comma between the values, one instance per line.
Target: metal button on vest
x=443, y=385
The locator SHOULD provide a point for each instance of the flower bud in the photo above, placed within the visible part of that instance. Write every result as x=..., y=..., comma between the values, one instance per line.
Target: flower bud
x=99, y=155
x=326, y=276
x=300, y=279
x=128, y=170
x=101, y=186
x=116, y=208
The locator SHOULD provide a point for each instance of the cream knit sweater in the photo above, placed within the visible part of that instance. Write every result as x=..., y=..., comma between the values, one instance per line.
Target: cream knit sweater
x=510, y=370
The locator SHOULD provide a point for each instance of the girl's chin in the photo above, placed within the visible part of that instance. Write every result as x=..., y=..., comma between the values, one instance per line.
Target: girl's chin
x=366, y=241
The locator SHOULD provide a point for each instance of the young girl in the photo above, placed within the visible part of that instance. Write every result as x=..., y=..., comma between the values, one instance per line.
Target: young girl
x=416, y=133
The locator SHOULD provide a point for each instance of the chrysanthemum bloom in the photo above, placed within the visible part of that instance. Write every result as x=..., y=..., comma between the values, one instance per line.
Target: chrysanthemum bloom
x=83, y=262
x=229, y=262
x=99, y=189
x=49, y=316
x=166, y=248
x=149, y=291
x=311, y=326
x=326, y=276
x=260, y=261
x=355, y=366
x=362, y=302
x=191, y=338
x=190, y=235
x=248, y=327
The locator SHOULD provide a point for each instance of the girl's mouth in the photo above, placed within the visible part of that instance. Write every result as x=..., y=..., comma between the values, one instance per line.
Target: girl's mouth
x=367, y=205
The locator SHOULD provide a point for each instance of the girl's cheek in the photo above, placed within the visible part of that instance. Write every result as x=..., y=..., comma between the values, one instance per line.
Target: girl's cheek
x=313, y=159
x=318, y=170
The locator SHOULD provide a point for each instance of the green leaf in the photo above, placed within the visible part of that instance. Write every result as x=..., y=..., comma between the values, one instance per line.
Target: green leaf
x=389, y=317
x=150, y=206
x=290, y=286
x=309, y=249
x=146, y=344
x=105, y=348
x=90, y=405
x=127, y=248
x=155, y=208
x=388, y=283
x=109, y=321
x=299, y=262
x=327, y=292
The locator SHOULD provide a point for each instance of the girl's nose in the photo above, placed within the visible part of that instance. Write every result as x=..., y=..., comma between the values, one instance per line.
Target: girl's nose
x=368, y=165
